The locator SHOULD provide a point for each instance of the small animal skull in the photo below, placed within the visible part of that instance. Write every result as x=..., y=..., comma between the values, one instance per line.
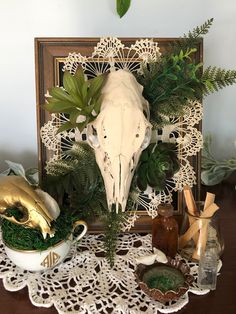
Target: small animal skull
x=17, y=192
x=119, y=134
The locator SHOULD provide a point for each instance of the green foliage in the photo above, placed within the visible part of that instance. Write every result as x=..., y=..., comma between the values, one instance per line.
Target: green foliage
x=22, y=238
x=76, y=182
x=214, y=78
x=157, y=163
x=122, y=6
x=169, y=84
x=192, y=38
x=78, y=97
x=113, y=222
x=176, y=78
x=214, y=171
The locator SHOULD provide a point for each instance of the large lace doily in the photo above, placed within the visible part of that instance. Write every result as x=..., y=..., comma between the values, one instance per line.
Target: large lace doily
x=111, y=54
x=85, y=284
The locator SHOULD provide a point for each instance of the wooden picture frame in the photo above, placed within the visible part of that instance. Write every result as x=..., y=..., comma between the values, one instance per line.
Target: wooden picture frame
x=49, y=55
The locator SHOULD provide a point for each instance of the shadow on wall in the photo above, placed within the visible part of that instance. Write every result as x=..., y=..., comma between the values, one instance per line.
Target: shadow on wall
x=27, y=159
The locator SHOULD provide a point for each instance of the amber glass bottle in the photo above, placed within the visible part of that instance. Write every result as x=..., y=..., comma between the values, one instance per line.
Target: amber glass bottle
x=165, y=230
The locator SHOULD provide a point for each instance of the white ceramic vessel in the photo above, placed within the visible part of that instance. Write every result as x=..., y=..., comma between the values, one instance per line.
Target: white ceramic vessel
x=46, y=259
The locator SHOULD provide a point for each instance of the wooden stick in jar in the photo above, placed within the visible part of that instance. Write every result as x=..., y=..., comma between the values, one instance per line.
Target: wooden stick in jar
x=191, y=205
x=202, y=239
x=192, y=208
x=193, y=229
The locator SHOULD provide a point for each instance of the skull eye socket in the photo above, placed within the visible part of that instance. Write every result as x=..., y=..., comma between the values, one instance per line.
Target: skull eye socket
x=92, y=136
x=147, y=138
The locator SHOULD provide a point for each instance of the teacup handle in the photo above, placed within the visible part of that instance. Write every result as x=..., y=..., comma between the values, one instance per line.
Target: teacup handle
x=80, y=223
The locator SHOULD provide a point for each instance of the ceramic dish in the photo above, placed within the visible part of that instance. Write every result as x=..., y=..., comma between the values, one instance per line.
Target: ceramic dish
x=164, y=282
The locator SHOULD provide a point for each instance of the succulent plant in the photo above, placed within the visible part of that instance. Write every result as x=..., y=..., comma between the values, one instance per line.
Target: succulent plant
x=157, y=163
x=79, y=98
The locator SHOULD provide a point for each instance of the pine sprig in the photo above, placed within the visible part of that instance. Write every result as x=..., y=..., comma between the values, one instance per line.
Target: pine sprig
x=214, y=78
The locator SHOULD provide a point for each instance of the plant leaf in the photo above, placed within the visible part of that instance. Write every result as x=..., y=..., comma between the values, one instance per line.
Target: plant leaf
x=95, y=85
x=65, y=126
x=18, y=169
x=32, y=175
x=122, y=6
x=70, y=83
x=79, y=75
x=58, y=107
x=60, y=94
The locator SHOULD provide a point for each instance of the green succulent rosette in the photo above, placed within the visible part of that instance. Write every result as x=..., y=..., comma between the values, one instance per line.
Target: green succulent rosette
x=157, y=163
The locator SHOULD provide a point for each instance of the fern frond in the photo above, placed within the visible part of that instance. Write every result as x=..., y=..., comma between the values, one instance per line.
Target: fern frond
x=214, y=78
x=76, y=181
x=199, y=30
x=192, y=38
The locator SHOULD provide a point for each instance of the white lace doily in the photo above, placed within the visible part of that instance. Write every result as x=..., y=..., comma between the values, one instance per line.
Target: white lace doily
x=111, y=54
x=85, y=284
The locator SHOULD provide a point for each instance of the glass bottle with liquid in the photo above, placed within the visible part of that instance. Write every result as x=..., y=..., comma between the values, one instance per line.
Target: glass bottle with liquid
x=165, y=230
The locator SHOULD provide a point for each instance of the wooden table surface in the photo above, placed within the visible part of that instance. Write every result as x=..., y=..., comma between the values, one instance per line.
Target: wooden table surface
x=220, y=301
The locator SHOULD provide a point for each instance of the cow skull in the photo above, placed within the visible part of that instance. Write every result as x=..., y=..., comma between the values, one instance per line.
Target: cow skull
x=119, y=134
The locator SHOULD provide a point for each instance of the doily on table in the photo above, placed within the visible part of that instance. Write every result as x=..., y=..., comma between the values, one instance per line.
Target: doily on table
x=85, y=284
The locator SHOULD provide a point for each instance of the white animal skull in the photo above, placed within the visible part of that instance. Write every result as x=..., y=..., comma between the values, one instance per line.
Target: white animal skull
x=119, y=134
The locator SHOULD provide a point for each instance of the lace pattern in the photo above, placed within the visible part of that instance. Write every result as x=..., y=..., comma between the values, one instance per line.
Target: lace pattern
x=84, y=283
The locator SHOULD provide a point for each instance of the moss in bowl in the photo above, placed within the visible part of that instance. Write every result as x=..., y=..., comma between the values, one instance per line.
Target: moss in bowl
x=28, y=249
x=164, y=282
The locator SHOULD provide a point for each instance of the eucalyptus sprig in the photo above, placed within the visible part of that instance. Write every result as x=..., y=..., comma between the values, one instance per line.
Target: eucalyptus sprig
x=79, y=98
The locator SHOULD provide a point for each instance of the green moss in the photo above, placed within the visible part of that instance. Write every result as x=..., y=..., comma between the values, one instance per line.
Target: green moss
x=22, y=238
x=164, y=278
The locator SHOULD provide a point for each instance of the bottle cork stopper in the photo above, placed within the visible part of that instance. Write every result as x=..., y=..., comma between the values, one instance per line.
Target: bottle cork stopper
x=165, y=210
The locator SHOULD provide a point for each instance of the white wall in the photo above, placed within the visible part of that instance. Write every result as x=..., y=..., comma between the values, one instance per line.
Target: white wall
x=22, y=20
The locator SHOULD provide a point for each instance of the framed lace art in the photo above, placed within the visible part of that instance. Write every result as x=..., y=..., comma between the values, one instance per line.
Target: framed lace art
x=100, y=55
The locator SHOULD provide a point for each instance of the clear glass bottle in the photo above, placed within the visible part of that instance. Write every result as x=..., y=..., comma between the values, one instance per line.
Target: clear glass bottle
x=207, y=270
x=165, y=230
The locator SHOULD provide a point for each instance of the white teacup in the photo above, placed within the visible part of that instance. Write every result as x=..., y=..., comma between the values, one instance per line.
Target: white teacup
x=46, y=259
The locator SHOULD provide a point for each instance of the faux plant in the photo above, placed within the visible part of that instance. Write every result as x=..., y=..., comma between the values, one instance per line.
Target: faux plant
x=176, y=78
x=214, y=171
x=157, y=163
x=113, y=222
x=77, y=183
x=79, y=98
